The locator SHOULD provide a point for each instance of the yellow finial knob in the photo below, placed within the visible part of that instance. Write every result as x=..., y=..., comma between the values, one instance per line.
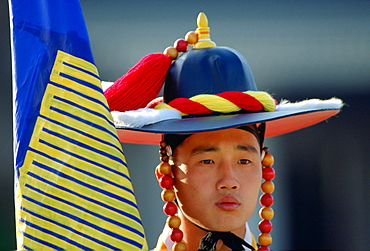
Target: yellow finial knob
x=202, y=20
x=204, y=39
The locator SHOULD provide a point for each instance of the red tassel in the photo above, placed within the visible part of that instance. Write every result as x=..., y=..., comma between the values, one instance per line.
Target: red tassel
x=140, y=84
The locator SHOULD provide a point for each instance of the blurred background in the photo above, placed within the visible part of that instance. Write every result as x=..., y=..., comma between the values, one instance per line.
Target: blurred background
x=297, y=50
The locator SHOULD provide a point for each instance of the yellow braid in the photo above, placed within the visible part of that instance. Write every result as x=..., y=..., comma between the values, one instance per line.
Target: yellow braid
x=163, y=106
x=266, y=100
x=215, y=103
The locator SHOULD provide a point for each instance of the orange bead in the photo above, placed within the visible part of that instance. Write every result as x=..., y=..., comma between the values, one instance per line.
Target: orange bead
x=191, y=37
x=264, y=239
x=179, y=246
x=268, y=160
x=168, y=195
x=164, y=168
x=171, y=52
x=268, y=187
x=174, y=221
x=266, y=213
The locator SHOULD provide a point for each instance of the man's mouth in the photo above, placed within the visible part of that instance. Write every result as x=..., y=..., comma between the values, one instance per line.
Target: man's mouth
x=228, y=203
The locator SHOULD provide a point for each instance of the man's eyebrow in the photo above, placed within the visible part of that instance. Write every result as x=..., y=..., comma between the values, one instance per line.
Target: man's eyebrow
x=247, y=148
x=204, y=149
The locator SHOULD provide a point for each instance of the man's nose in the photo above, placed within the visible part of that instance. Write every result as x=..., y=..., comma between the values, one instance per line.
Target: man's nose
x=227, y=177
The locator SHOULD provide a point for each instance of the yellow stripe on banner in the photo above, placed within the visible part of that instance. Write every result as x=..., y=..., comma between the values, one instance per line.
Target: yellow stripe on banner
x=74, y=188
x=40, y=231
x=74, y=230
x=102, y=191
x=82, y=152
x=91, y=173
x=101, y=145
x=82, y=193
x=89, y=73
x=53, y=109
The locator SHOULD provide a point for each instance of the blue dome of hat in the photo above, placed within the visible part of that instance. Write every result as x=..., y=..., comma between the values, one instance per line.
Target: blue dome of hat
x=208, y=71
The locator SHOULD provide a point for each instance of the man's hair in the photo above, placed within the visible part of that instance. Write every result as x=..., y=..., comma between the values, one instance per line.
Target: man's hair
x=174, y=140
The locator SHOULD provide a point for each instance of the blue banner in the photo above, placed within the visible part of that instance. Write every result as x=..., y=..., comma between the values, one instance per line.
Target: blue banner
x=73, y=189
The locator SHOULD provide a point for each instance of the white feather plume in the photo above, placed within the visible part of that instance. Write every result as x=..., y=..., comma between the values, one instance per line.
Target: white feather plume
x=333, y=103
x=143, y=116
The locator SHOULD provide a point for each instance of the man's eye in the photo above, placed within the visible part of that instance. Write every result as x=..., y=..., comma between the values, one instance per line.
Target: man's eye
x=244, y=161
x=207, y=161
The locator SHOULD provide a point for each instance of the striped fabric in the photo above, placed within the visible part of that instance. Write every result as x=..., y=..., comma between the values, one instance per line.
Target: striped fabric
x=73, y=189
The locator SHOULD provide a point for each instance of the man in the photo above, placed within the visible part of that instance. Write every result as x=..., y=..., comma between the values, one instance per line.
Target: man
x=217, y=175
x=211, y=124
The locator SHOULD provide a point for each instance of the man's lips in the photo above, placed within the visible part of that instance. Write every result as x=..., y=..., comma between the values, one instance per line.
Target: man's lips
x=228, y=203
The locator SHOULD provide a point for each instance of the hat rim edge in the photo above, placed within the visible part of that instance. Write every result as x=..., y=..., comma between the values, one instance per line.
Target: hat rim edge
x=278, y=123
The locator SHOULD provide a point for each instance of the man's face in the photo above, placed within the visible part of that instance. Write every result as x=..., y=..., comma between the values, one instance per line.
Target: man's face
x=217, y=176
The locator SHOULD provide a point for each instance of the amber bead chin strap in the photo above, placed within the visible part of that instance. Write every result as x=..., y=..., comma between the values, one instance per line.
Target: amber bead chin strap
x=266, y=200
x=164, y=176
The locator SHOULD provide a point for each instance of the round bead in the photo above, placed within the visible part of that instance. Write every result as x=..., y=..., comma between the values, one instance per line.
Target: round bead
x=179, y=246
x=268, y=187
x=268, y=160
x=163, y=151
x=181, y=45
x=166, y=181
x=170, y=208
x=265, y=226
x=264, y=239
x=191, y=37
x=162, y=144
x=266, y=200
x=263, y=248
x=164, y=158
x=268, y=173
x=266, y=213
x=171, y=52
x=164, y=168
x=174, y=221
x=176, y=235
x=168, y=195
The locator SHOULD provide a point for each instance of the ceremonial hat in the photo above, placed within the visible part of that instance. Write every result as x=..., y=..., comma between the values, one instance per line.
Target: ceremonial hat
x=206, y=88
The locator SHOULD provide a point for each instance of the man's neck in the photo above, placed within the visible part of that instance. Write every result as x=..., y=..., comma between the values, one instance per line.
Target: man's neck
x=194, y=234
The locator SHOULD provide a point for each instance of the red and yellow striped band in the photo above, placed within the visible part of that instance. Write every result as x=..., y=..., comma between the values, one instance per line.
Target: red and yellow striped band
x=226, y=102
